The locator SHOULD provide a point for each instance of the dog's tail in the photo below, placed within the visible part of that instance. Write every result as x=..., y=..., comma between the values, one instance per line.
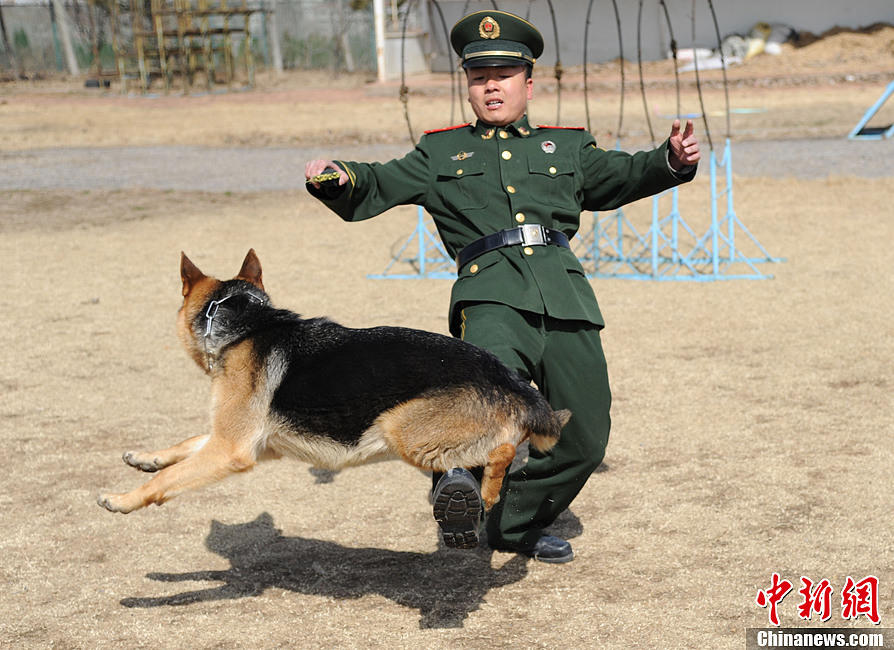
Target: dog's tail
x=544, y=434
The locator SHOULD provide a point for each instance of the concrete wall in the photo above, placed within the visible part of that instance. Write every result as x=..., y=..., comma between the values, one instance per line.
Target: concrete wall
x=733, y=16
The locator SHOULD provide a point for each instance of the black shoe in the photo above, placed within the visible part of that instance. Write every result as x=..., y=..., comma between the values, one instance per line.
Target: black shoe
x=547, y=549
x=456, y=502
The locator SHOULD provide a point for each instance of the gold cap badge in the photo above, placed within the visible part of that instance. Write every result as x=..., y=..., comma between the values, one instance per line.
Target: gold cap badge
x=488, y=28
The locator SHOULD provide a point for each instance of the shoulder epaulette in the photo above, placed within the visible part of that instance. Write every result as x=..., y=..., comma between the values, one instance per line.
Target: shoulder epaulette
x=566, y=128
x=449, y=128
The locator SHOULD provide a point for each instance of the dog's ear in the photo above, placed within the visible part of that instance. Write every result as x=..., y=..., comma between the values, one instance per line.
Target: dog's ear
x=251, y=270
x=189, y=273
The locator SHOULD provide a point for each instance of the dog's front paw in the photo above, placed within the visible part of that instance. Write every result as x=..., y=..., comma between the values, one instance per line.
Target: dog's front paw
x=143, y=462
x=113, y=503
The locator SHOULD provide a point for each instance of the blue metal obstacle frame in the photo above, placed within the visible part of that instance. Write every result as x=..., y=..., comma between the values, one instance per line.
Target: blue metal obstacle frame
x=421, y=256
x=671, y=249
x=863, y=132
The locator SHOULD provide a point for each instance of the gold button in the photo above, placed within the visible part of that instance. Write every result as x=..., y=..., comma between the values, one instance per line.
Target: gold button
x=473, y=268
x=520, y=217
x=510, y=189
x=529, y=250
x=552, y=170
x=504, y=135
x=506, y=155
x=459, y=172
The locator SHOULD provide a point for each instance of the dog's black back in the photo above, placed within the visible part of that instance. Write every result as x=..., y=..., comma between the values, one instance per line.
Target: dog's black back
x=337, y=380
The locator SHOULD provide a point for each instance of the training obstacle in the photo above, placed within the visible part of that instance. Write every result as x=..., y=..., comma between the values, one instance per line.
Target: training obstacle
x=670, y=248
x=421, y=256
x=178, y=42
x=863, y=132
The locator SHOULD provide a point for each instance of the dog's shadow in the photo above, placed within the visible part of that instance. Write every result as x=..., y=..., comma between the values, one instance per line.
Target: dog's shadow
x=445, y=586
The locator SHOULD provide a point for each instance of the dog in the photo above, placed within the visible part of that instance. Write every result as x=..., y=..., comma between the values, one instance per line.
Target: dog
x=335, y=397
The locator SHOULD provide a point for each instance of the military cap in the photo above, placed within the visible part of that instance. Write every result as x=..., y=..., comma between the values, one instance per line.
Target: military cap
x=494, y=38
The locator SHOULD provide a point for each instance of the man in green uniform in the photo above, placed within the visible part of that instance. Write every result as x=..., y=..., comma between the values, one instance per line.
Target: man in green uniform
x=506, y=197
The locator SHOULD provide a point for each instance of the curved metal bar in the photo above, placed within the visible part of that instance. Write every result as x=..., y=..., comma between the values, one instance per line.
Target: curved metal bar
x=639, y=58
x=404, y=90
x=698, y=83
x=528, y=10
x=586, y=85
x=673, y=44
x=722, y=66
x=558, y=69
x=620, y=63
x=455, y=83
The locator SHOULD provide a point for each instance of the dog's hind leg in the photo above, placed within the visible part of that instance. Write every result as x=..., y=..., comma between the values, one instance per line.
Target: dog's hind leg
x=216, y=460
x=152, y=461
x=497, y=462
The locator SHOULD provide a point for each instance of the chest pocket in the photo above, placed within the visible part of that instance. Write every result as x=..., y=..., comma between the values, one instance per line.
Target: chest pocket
x=552, y=180
x=461, y=183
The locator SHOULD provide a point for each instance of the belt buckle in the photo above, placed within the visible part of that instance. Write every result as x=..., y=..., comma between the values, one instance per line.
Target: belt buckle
x=533, y=235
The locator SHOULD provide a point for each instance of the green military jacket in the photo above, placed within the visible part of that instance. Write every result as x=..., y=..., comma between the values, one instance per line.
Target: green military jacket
x=478, y=179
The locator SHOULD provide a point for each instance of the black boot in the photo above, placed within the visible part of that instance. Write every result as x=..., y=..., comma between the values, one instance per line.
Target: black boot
x=456, y=501
x=548, y=548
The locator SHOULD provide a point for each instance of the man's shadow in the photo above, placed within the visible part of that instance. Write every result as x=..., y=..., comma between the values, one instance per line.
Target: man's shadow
x=445, y=586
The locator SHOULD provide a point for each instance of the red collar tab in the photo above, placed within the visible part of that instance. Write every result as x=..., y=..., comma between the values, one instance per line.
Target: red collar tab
x=449, y=128
x=566, y=128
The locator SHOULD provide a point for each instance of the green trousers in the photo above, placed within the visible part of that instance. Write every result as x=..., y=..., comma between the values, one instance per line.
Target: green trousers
x=566, y=362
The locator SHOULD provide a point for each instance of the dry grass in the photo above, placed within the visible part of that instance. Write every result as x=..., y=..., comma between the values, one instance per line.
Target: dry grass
x=751, y=433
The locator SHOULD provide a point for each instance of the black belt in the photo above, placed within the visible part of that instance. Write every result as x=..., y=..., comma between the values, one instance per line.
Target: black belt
x=533, y=235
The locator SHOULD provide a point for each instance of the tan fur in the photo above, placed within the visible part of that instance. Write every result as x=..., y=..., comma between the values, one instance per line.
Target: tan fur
x=194, y=301
x=497, y=463
x=450, y=429
x=453, y=430
x=151, y=462
x=542, y=443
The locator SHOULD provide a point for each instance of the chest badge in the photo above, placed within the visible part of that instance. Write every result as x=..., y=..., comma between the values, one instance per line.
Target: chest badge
x=548, y=146
x=462, y=155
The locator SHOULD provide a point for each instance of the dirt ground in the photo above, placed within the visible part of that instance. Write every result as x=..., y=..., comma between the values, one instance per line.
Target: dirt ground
x=751, y=419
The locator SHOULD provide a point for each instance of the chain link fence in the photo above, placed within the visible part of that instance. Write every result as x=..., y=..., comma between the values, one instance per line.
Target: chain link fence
x=312, y=34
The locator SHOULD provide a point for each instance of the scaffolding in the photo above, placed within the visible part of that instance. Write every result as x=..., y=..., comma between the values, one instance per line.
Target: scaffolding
x=862, y=131
x=421, y=256
x=672, y=249
x=182, y=43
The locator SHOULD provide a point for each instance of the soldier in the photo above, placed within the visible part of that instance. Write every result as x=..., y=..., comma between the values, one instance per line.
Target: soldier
x=506, y=198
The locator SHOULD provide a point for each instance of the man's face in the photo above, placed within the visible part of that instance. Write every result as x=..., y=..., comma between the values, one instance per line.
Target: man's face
x=499, y=95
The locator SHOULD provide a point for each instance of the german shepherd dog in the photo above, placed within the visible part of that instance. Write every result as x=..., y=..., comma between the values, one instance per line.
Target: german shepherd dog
x=333, y=396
